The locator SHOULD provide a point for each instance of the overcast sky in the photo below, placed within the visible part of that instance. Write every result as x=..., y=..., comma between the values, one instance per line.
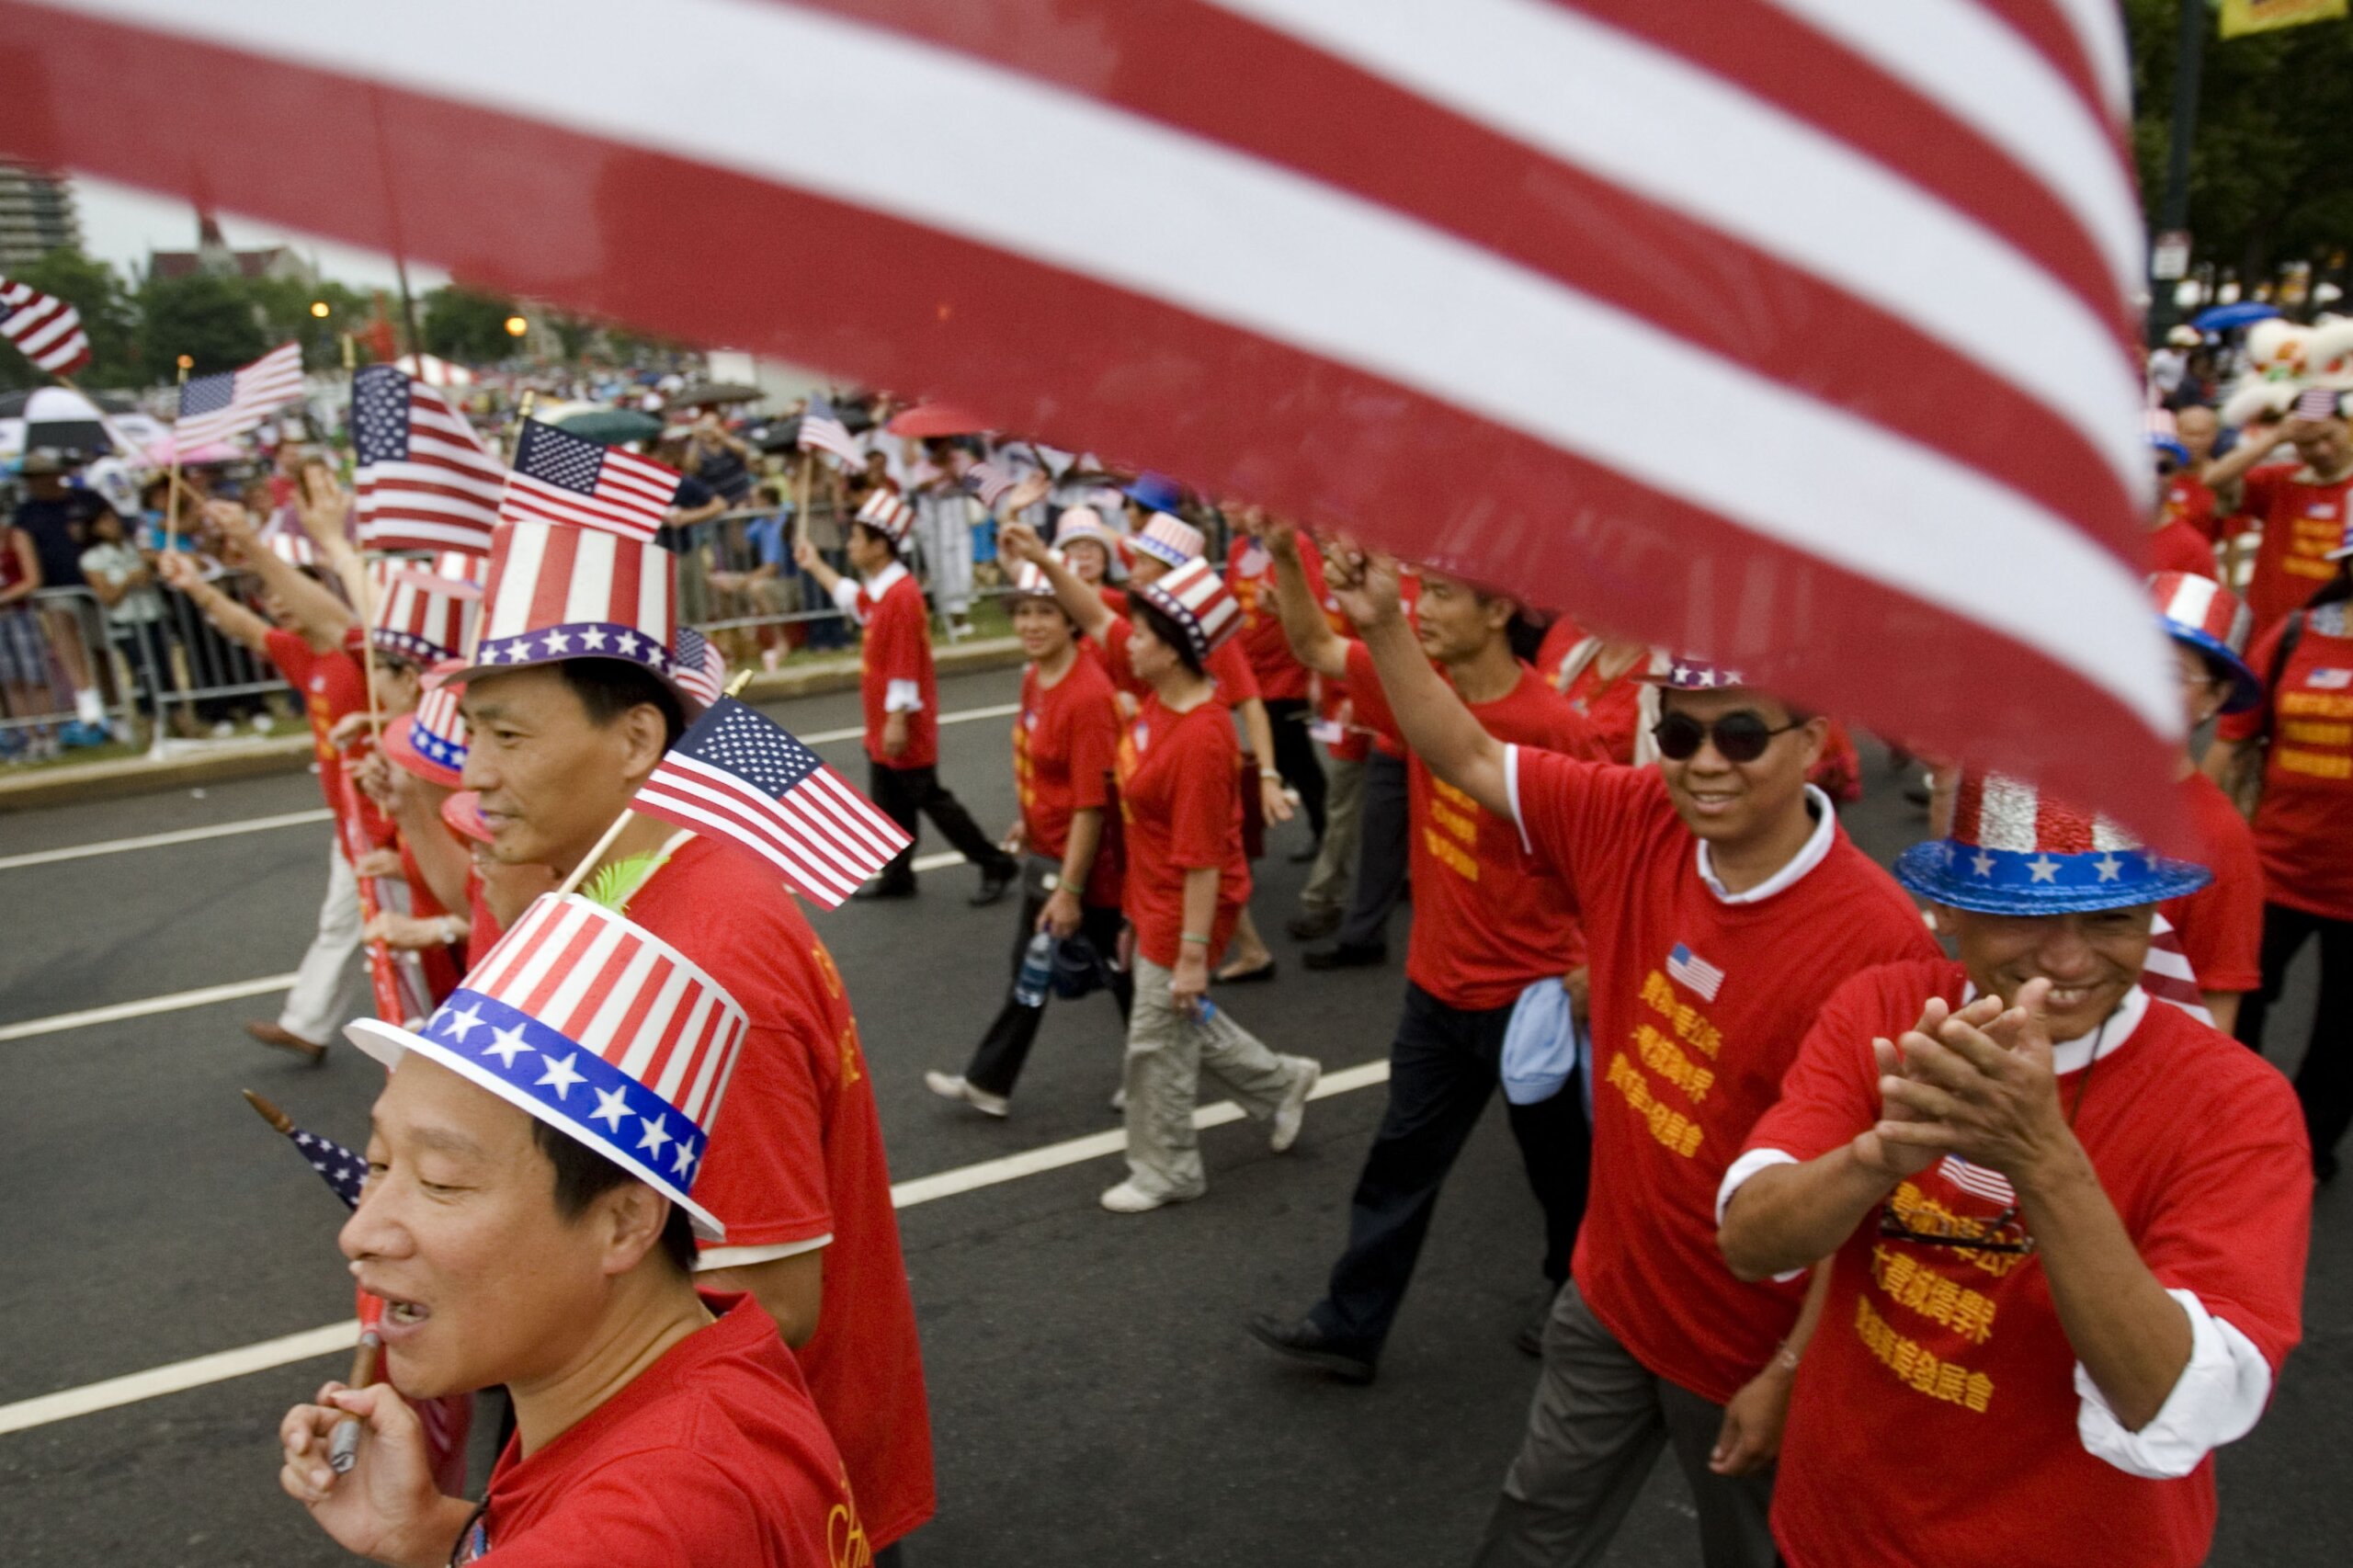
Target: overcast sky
x=121, y=223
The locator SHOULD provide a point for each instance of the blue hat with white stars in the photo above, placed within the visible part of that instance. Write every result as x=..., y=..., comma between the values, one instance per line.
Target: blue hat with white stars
x=578, y=1000
x=2013, y=850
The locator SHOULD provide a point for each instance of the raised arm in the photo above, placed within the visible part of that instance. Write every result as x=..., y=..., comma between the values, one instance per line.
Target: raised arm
x=1079, y=601
x=1312, y=641
x=1435, y=722
x=2255, y=443
x=319, y=616
x=233, y=619
x=321, y=506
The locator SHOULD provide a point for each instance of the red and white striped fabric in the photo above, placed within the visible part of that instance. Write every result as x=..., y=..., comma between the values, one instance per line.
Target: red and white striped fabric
x=560, y=593
x=426, y=481
x=1197, y=599
x=1170, y=540
x=888, y=511
x=2167, y=974
x=1486, y=245
x=418, y=616
x=225, y=405
x=576, y=999
x=559, y=477
x=431, y=742
x=44, y=328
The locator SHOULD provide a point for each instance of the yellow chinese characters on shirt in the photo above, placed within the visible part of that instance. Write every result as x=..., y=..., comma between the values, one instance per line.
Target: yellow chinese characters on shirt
x=1905, y=1290
x=1675, y=1042
x=2315, y=719
x=1452, y=834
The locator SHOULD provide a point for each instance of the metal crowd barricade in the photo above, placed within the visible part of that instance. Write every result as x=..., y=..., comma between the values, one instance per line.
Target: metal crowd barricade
x=50, y=647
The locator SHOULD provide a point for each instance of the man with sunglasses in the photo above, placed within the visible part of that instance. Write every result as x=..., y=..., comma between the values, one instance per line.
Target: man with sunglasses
x=1722, y=905
x=2069, y=1222
x=2177, y=542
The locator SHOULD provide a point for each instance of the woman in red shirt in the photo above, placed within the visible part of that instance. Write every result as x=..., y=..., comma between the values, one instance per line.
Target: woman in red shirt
x=1184, y=880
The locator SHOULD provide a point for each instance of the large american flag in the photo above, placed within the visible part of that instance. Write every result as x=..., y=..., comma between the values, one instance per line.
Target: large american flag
x=44, y=328
x=426, y=481
x=1431, y=279
x=738, y=775
x=219, y=407
x=821, y=430
x=560, y=478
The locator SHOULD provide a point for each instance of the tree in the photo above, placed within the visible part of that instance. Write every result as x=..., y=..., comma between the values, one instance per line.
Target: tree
x=461, y=325
x=285, y=307
x=212, y=320
x=109, y=315
x=2269, y=177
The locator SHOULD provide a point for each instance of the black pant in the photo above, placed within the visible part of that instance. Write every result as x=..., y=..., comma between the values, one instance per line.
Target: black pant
x=1443, y=1065
x=1380, y=854
x=996, y=1061
x=902, y=792
x=1295, y=757
x=2325, y=1082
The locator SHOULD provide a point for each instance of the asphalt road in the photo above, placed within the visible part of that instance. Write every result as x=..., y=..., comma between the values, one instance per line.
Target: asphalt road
x=1094, y=1398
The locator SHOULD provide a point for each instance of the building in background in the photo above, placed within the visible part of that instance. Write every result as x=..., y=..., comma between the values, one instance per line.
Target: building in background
x=212, y=254
x=37, y=215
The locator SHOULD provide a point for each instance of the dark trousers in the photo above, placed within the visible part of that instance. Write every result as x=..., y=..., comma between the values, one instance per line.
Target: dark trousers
x=903, y=792
x=1295, y=757
x=1380, y=855
x=1443, y=1065
x=996, y=1061
x=2325, y=1082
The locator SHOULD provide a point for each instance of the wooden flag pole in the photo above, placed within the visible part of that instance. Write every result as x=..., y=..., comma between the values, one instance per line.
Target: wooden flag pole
x=367, y=645
x=800, y=499
x=172, y=496
x=589, y=861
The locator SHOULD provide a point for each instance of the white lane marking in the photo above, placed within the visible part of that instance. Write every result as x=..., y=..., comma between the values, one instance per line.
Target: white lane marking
x=159, y=840
x=204, y=996
x=335, y=1338
x=177, y=1001
x=298, y=819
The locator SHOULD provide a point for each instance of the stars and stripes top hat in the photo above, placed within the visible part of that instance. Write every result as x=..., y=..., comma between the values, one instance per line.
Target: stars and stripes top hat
x=294, y=547
x=1030, y=581
x=1171, y=539
x=461, y=814
x=2013, y=850
x=578, y=1000
x=2158, y=429
x=1197, y=599
x=557, y=592
x=418, y=616
x=1681, y=673
x=431, y=741
x=2208, y=617
x=887, y=513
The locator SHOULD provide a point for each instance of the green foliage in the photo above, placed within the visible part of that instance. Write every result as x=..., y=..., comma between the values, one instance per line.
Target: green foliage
x=212, y=320
x=2271, y=169
x=461, y=325
x=615, y=885
x=109, y=315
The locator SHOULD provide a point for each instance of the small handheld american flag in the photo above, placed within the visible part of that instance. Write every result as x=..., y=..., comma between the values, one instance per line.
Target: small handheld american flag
x=45, y=328
x=988, y=483
x=426, y=481
x=344, y=1170
x=220, y=407
x=701, y=667
x=821, y=430
x=738, y=775
x=562, y=478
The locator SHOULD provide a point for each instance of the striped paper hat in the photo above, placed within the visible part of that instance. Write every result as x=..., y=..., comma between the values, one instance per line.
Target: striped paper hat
x=577, y=1000
x=461, y=814
x=2013, y=850
x=1084, y=522
x=2208, y=617
x=564, y=593
x=2319, y=403
x=431, y=742
x=888, y=513
x=2158, y=429
x=420, y=617
x=1170, y=539
x=1197, y=600
x=1030, y=582
x=293, y=547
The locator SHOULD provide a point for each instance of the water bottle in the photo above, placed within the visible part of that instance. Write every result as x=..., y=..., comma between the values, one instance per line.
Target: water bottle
x=1036, y=970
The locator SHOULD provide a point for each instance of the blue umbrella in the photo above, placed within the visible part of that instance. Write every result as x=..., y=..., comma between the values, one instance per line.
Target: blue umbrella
x=2230, y=318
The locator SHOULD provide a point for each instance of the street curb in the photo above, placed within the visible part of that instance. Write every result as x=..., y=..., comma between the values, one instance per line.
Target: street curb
x=121, y=777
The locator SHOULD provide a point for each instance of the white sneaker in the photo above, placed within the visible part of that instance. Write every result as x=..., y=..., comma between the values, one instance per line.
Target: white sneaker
x=1128, y=1198
x=950, y=1086
x=1293, y=1109
x=1120, y=1099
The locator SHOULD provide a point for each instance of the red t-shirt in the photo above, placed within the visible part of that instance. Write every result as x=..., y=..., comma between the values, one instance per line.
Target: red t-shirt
x=2189, y=501
x=1250, y=576
x=2179, y=547
x=713, y=1454
x=2303, y=521
x=1490, y=919
x=332, y=685
x=483, y=929
x=1934, y=1416
x=2304, y=824
x=797, y=1155
x=1227, y=665
x=898, y=648
x=2222, y=923
x=1698, y=1006
x=1180, y=810
x=1612, y=705
x=1065, y=747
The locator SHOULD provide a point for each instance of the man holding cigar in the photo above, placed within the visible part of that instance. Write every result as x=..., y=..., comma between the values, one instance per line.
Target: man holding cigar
x=517, y=1236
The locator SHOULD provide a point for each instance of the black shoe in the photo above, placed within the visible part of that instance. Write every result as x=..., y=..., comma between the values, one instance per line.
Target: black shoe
x=1313, y=924
x=994, y=881
x=1346, y=955
x=886, y=890
x=1305, y=1341
x=1530, y=1337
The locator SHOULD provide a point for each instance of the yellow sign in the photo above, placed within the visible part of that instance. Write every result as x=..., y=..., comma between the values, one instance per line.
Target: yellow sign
x=2242, y=17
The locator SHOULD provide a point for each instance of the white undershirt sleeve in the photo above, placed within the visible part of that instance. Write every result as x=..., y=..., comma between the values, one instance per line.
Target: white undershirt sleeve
x=1737, y=1177
x=1511, y=794
x=902, y=696
x=2217, y=1400
x=746, y=1257
x=846, y=598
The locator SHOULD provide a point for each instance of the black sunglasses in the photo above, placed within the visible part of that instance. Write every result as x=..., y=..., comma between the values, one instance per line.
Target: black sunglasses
x=1740, y=736
x=2002, y=1233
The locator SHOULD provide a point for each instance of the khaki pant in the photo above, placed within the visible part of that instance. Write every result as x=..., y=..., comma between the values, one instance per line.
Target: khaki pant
x=1166, y=1052
x=1336, y=859
x=321, y=996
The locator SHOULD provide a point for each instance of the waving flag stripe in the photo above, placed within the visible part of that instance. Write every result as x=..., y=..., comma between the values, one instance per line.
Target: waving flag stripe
x=423, y=479
x=44, y=328
x=219, y=407
x=1820, y=518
